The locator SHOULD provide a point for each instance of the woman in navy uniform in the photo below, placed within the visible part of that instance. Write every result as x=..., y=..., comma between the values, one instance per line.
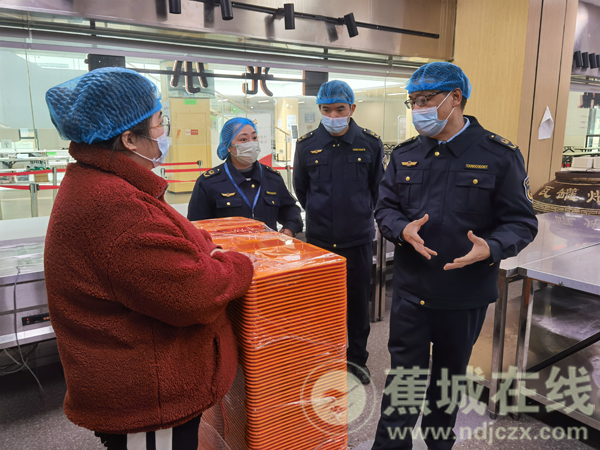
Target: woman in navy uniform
x=242, y=186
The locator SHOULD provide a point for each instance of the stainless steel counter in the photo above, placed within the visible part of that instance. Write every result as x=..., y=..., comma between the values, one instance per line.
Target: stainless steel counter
x=561, y=319
x=558, y=234
x=23, y=300
x=578, y=270
x=573, y=303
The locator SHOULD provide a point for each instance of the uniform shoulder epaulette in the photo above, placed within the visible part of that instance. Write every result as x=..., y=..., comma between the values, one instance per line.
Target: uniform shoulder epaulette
x=270, y=169
x=502, y=141
x=306, y=136
x=370, y=133
x=211, y=172
x=406, y=142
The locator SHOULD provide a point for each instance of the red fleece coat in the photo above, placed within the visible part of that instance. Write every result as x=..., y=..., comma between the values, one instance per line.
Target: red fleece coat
x=136, y=300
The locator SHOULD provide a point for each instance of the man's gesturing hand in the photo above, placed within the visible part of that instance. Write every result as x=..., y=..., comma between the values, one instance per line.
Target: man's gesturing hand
x=411, y=235
x=479, y=252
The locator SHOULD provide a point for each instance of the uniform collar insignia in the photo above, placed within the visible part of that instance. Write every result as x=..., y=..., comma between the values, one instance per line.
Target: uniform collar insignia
x=227, y=195
x=409, y=163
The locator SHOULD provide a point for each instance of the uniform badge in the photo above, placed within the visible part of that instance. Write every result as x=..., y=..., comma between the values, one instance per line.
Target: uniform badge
x=307, y=135
x=409, y=163
x=359, y=149
x=270, y=169
x=227, y=195
x=406, y=142
x=503, y=141
x=316, y=151
x=271, y=193
x=370, y=133
x=527, y=187
x=476, y=166
x=507, y=142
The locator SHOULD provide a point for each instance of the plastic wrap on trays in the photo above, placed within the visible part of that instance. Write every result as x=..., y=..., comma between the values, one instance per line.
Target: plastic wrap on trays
x=230, y=224
x=276, y=253
x=291, y=332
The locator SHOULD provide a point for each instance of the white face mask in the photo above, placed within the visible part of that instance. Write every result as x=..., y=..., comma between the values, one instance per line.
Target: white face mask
x=247, y=153
x=163, y=145
x=335, y=125
x=426, y=120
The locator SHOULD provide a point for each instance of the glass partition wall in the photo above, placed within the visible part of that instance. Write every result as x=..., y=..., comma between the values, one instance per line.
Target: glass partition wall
x=582, y=131
x=198, y=107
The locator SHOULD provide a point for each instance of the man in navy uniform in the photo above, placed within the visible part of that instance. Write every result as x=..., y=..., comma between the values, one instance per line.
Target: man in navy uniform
x=337, y=170
x=242, y=186
x=456, y=201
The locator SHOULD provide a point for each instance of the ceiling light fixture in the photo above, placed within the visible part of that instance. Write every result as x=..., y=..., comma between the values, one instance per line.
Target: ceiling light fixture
x=351, y=25
x=288, y=12
x=175, y=6
x=226, y=10
x=288, y=16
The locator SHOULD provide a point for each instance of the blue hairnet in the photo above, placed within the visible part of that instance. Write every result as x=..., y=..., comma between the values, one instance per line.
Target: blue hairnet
x=439, y=76
x=230, y=130
x=101, y=104
x=335, y=91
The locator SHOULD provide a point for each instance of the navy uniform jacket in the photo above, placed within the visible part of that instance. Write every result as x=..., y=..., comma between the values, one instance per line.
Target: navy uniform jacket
x=336, y=181
x=215, y=196
x=477, y=182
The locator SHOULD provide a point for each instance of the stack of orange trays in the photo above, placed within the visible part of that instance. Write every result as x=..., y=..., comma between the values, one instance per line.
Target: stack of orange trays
x=291, y=330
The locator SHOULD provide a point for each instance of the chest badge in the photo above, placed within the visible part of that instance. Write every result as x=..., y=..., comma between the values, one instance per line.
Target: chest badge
x=271, y=193
x=409, y=163
x=476, y=166
x=227, y=195
x=314, y=152
x=359, y=149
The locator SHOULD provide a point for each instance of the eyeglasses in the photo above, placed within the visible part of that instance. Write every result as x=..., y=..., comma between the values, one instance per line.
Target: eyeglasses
x=421, y=100
x=166, y=124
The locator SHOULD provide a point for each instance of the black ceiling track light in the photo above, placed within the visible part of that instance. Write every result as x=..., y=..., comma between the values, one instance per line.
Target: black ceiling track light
x=226, y=9
x=351, y=25
x=175, y=6
x=289, y=15
x=585, y=60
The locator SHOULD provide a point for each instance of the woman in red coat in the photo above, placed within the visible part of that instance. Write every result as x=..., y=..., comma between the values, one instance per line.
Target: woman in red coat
x=137, y=295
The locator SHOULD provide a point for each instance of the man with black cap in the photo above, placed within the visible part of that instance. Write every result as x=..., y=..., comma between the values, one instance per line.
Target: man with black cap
x=337, y=170
x=455, y=201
